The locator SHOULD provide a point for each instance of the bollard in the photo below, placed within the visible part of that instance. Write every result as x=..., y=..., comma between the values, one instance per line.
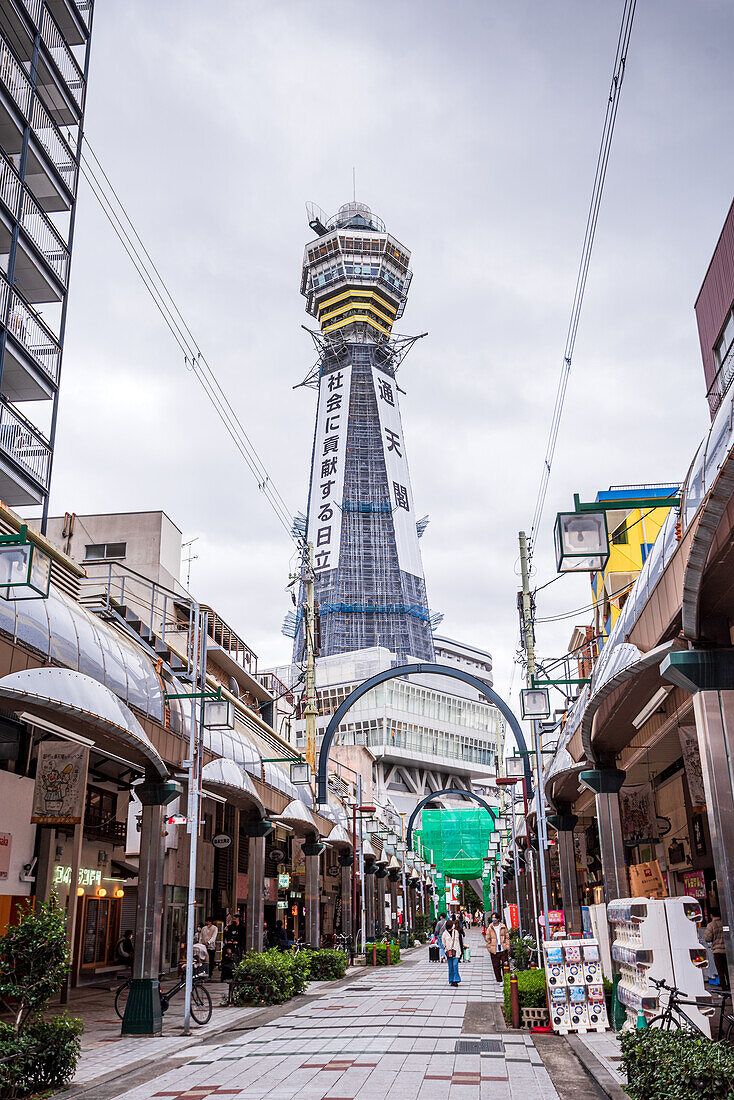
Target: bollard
x=641, y=1021
x=374, y=954
x=387, y=953
x=514, y=1001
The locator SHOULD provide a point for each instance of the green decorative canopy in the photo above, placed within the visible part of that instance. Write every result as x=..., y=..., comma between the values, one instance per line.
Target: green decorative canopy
x=457, y=840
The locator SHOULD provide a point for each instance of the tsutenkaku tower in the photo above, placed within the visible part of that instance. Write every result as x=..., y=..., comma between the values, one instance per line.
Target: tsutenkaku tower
x=361, y=520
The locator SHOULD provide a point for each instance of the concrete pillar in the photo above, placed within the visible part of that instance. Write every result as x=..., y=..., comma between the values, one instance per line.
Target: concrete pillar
x=235, y=859
x=346, y=859
x=254, y=934
x=394, y=902
x=143, y=1009
x=569, y=881
x=369, y=893
x=614, y=865
x=312, y=850
x=714, y=712
x=380, y=902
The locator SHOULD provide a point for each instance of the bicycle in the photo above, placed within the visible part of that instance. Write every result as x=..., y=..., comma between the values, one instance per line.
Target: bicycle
x=201, y=1002
x=667, y=1021
x=726, y=1017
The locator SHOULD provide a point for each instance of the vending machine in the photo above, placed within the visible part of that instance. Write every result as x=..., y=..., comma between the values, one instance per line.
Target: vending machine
x=656, y=938
x=575, y=986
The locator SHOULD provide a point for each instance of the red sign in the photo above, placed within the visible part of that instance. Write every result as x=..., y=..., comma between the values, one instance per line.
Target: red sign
x=514, y=916
x=695, y=884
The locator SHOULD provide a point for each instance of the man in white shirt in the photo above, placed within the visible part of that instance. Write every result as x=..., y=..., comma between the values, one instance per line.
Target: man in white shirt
x=208, y=936
x=498, y=945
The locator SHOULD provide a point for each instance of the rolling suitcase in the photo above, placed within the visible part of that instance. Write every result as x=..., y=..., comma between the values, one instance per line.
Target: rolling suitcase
x=433, y=954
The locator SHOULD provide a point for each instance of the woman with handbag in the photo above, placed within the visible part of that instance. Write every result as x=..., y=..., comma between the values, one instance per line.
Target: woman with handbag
x=453, y=947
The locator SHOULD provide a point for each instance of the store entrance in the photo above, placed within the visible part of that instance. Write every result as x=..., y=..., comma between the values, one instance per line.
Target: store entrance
x=100, y=930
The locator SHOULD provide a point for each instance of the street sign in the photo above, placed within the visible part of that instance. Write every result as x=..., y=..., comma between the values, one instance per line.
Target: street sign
x=221, y=840
x=176, y=819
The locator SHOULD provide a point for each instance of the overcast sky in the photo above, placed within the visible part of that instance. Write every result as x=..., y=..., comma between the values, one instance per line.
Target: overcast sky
x=474, y=127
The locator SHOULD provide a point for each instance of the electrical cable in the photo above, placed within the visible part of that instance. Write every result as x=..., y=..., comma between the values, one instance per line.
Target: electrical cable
x=588, y=607
x=193, y=357
x=583, y=269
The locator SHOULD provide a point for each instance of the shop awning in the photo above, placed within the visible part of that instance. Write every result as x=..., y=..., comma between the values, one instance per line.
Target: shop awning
x=230, y=779
x=81, y=705
x=339, y=837
x=299, y=818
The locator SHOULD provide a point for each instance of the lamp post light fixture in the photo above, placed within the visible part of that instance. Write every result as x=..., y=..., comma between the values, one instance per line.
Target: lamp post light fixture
x=514, y=768
x=218, y=714
x=301, y=773
x=25, y=570
x=535, y=703
x=581, y=542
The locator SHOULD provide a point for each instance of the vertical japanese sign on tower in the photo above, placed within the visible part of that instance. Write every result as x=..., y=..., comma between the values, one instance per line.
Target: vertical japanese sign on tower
x=327, y=481
x=398, y=475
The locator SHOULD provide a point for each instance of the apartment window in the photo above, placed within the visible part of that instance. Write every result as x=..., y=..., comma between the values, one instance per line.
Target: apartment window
x=724, y=344
x=97, y=551
x=620, y=536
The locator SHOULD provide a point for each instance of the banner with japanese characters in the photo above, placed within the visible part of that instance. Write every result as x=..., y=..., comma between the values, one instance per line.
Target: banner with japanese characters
x=61, y=783
x=398, y=477
x=327, y=479
x=692, y=764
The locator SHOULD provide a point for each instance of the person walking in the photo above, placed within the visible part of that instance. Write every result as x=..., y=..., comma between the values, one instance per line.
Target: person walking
x=438, y=930
x=498, y=945
x=453, y=946
x=208, y=936
x=714, y=935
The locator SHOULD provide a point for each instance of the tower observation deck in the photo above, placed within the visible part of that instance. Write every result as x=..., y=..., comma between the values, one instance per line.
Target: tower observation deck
x=361, y=520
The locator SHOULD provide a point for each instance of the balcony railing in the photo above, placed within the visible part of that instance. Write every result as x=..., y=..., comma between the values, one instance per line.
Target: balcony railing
x=33, y=7
x=99, y=827
x=24, y=444
x=84, y=7
x=722, y=381
x=65, y=61
x=30, y=331
x=42, y=233
x=52, y=141
x=13, y=76
x=10, y=186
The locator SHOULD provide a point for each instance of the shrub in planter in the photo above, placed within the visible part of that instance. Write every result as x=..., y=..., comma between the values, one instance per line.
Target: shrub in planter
x=300, y=964
x=531, y=989
x=382, y=954
x=423, y=924
x=674, y=1065
x=328, y=965
x=263, y=978
x=522, y=949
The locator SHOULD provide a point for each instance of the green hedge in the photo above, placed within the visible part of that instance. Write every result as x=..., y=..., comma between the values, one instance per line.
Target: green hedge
x=328, y=966
x=382, y=954
x=531, y=988
x=43, y=1056
x=673, y=1065
x=272, y=977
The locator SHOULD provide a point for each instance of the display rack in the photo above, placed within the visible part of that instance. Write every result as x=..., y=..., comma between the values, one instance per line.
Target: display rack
x=656, y=938
x=575, y=986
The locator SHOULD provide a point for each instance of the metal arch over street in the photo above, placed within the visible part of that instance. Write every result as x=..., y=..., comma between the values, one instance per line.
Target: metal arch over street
x=437, y=794
x=432, y=669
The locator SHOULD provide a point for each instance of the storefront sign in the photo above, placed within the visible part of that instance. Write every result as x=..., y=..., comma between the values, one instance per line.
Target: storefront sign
x=514, y=916
x=692, y=764
x=221, y=840
x=282, y=905
x=284, y=882
x=699, y=835
x=646, y=880
x=276, y=854
x=270, y=890
x=694, y=883
x=639, y=816
x=6, y=842
x=61, y=783
x=88, y=876
x=332, y=872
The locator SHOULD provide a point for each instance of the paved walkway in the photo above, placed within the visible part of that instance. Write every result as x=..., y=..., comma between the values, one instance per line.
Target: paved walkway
x=391, y=1034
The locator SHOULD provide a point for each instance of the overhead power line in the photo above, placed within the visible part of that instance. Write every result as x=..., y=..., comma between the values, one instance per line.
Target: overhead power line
x=194, y=359
x=602, y=162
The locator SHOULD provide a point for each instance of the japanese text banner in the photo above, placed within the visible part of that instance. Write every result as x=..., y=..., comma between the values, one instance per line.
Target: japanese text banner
x=398, y=476
x=327, y=476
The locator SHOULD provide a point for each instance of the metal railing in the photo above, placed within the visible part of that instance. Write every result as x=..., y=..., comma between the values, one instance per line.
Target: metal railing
x=10, y=186
x=14, y=78
x=722, y=381
x=41, y=231
x=54, y=143
x=24, y=444
x=65, y=61
x=30, y=331
x=84, y=7
x=33, y=7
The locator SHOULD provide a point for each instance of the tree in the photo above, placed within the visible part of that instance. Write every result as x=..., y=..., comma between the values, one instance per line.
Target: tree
x=34, y=961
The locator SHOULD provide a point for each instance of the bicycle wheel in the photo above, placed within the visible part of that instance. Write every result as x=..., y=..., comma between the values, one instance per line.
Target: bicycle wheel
x=665, y=1023
x=201, y=1004
x=121, y=998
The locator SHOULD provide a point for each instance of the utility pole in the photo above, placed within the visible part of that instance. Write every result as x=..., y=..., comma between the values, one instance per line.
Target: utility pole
x=527, y=621
x=197, y=641
x=310, y=708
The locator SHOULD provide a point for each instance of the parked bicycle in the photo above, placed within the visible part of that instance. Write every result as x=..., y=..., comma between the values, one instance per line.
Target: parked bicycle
x=201, y=1002
x=673, y=1017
